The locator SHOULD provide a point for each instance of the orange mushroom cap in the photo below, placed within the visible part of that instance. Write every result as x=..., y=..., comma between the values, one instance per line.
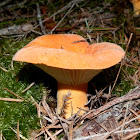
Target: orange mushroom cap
x=69, y=51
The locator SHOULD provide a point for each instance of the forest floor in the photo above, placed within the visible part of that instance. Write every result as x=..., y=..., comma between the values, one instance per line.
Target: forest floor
x=28, y=95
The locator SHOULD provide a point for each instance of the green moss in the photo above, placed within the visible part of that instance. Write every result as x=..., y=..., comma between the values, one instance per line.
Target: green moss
x=17, y=80
x=124, y=83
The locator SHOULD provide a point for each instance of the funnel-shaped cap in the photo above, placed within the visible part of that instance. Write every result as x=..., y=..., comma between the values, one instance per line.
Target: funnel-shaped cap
x=70, y=52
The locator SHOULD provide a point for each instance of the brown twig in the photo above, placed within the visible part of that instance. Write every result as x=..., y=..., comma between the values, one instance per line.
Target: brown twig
x=61, y=10
x=40, y=133
x=62, y=124
x=48, y=110
x=55, y=126
x=131, y=135
x=3, y=69
x=39, y=108
x=18, y=137
x=128, y=122
x=50, y=24
x=11, y=99
x=133, y=94
x=62, y=18
x=71, y=131
x=28, y=87
x=50, y=135
x=39, y=19
x=124, y=120
x=13, y=93
x=19, y=134
x=1, y=135
x=101, y=136
x=135, y=113
x=55, y=134
x=42, y=130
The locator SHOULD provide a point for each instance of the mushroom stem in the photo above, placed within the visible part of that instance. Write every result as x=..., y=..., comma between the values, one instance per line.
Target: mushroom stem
x=136, y=6
x=70, y=98
x=137, y=9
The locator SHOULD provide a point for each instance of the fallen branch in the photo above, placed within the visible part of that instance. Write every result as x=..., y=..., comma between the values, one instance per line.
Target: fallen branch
x=128, y=122
x=97, y=136
x=132, y=94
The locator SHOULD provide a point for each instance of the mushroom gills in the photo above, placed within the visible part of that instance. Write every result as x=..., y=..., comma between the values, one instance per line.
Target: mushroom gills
x=71, y=89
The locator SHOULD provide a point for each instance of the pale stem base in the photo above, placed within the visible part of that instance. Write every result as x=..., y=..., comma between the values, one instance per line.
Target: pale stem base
x=70, y=98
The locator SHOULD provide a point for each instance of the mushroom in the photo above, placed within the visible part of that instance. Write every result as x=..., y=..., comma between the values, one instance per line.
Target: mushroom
x=73, y=63
x=136, y=6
